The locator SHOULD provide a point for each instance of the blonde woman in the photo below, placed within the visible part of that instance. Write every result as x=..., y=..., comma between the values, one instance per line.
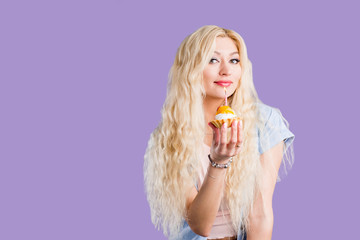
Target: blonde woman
x=188, y=197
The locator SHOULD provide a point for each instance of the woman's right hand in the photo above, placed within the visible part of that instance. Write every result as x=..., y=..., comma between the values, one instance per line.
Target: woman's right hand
x=221, y=150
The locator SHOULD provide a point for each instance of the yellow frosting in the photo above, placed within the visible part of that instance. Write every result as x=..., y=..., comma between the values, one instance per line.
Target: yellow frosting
x=225, y=110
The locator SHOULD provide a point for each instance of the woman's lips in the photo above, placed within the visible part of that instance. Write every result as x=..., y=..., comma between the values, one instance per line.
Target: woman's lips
x=224, y=83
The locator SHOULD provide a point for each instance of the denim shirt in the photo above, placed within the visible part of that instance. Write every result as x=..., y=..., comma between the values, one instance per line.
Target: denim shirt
x=274, y=131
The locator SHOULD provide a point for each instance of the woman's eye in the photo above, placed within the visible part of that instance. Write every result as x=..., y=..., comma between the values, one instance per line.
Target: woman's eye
x=213, y=60
x=235, y=60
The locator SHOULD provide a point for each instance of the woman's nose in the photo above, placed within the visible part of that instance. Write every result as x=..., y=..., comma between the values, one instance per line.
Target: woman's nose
x=224, y=69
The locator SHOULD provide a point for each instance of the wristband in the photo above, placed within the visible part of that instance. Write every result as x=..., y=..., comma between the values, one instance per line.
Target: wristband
x=217, y=165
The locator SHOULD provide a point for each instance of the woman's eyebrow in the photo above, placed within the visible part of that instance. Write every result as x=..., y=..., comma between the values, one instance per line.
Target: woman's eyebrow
x=216, y=52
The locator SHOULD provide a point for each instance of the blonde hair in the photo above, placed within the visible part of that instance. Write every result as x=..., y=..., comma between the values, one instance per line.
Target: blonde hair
x=173, y=152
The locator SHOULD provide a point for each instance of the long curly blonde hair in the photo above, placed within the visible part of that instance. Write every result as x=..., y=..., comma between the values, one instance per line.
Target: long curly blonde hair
x=172, y=158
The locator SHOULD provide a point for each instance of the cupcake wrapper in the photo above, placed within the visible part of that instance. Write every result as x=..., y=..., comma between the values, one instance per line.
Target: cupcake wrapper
x=219, y=123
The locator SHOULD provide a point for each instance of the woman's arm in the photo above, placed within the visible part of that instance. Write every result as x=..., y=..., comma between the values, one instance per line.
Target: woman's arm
x=262, y=218
x=202, y=206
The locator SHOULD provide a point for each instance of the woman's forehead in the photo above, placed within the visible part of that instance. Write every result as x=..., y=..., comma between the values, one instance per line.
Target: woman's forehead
x=225, y=46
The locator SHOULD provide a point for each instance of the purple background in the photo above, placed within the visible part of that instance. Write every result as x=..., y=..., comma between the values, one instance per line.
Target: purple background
x=83, y=82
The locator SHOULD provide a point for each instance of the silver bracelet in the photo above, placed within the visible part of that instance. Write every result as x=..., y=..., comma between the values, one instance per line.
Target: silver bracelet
x=217, y=165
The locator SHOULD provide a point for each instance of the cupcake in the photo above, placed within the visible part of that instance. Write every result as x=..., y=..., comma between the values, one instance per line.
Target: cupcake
x=224, y=114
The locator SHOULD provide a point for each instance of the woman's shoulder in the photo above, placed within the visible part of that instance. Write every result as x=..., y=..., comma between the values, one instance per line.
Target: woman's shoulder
x=272, y=127
x=264, y=111
x=267, y=114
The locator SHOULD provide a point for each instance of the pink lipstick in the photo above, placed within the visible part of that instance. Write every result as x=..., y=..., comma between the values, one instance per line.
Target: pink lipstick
x=223, y=83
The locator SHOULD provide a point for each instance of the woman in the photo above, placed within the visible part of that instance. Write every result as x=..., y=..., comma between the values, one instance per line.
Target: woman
x=188, y=197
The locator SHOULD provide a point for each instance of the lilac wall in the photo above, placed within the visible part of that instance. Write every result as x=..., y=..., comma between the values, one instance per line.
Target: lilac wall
x=83, y=82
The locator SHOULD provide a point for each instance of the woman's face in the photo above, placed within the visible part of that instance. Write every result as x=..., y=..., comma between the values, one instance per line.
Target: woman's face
x=223, y=70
